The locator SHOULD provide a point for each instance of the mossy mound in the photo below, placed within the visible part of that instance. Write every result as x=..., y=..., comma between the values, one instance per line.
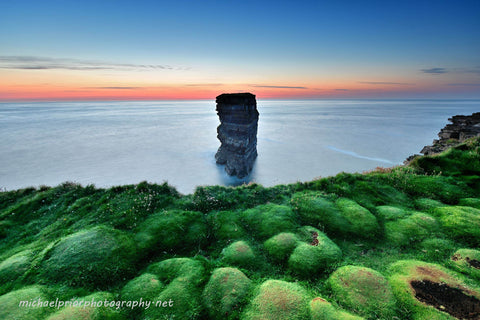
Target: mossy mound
x=470, y=202
x=97, y=257
x=430, y=291
x=145, y=287
x=15, y=266
x=362, y=223
x=391, y=213
x=226, y=225
x=168, y=270
x=364, y=291
x=410, y=229
x=225, y=293
x=12, y=309
x=321, y=309
x=462, y=223
x=315, y=209
x=172, y=231
x=308, y=259
x=278, y=300
x=181, y=297
x=467, y=261
x=268, y=220
x=279, y=247
x=78, y=311
x=427, y=204
x=239, y=254
x=179, y=300
x=437, y=249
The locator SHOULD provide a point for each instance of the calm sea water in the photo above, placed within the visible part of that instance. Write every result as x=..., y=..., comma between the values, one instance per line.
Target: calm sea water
x=113, y=143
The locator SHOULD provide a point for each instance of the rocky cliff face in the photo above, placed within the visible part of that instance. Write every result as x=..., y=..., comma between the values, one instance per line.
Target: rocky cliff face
x=460, y=129
x=237, y=132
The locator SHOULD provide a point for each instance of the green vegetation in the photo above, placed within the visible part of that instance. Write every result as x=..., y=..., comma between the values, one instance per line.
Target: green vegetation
x=354, y=246
x=225, y=293
x=364, y=291
x=278, y=300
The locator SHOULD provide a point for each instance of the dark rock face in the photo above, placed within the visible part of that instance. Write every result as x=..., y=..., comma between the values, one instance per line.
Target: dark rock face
x=460, y=129
x=237, y=132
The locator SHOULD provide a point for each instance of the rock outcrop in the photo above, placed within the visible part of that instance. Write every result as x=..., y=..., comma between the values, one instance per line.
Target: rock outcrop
x=460, y=129
x=237, y=132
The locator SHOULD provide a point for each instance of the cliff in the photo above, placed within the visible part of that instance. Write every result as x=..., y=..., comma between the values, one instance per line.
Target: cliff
x=237, y=132
x=460, y=129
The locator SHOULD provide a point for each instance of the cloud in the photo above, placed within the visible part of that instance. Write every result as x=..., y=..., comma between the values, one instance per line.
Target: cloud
x=342, y=90
x=387, y=83
x=115, y=88
x=45, y=63
x=464, y=84
x=434, y=70
x=276, y=87
x=204, y=85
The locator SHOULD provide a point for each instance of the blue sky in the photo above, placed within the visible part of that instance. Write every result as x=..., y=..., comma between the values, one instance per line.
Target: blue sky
x=346, y=48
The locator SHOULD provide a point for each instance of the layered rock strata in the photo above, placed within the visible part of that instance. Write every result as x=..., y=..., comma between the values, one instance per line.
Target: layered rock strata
x=460, y=129
x=237, y=132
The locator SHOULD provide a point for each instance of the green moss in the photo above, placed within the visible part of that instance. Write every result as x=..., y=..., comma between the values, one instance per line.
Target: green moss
x=363, y=290
x=15, y=266
x=145, y=287
x=225, y=293
x=268, y=220
x=390, y=213
x=278, y=300
x=362, y=222
x=309, y=259
x=173, y=231
x=226, y=225
x=183, y=277
x=168, y=270
x=404, y=272
x=80, y=312
x=321, y=309
x=182, y=301
x=437, y=249
x=467, y=261
x=279, y=247
x=239, y=254
x=462, y=223
x=426, y=204
x=315, y=209
x=97, y=257
x=11, y=309
x=470, y=202
x=413, y=228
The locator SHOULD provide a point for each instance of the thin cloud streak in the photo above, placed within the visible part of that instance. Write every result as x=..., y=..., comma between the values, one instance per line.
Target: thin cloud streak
x=277, y=87
x=434, y=70
x=45, y=63
x=387, y=83
x=464, y=84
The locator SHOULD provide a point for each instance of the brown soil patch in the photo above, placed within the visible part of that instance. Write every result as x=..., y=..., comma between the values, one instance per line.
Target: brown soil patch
x=473, y=263
x=319, y=299
x=447, y=299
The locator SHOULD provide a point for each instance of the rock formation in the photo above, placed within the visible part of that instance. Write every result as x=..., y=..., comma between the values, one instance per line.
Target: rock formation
x=460, y=129
x=237, y=132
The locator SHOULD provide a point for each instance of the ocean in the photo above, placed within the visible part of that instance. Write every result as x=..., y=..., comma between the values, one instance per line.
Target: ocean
x=116, y=143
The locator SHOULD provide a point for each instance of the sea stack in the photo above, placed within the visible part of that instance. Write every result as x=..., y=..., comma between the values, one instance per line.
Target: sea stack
x=237, y=132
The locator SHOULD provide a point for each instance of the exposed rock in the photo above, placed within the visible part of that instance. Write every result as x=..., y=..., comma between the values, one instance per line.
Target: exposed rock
x=237, y=132
x=461, y=128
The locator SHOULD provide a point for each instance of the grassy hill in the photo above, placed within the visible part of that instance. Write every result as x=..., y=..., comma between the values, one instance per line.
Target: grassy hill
x=394, y=243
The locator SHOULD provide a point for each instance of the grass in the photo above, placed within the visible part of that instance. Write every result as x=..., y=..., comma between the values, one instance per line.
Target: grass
x=248, y=252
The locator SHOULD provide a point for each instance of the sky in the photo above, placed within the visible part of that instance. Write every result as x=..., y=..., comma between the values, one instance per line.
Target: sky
x=149, y=50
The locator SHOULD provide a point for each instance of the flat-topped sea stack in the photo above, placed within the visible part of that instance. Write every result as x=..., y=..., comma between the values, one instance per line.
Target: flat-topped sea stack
x=237, y=132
